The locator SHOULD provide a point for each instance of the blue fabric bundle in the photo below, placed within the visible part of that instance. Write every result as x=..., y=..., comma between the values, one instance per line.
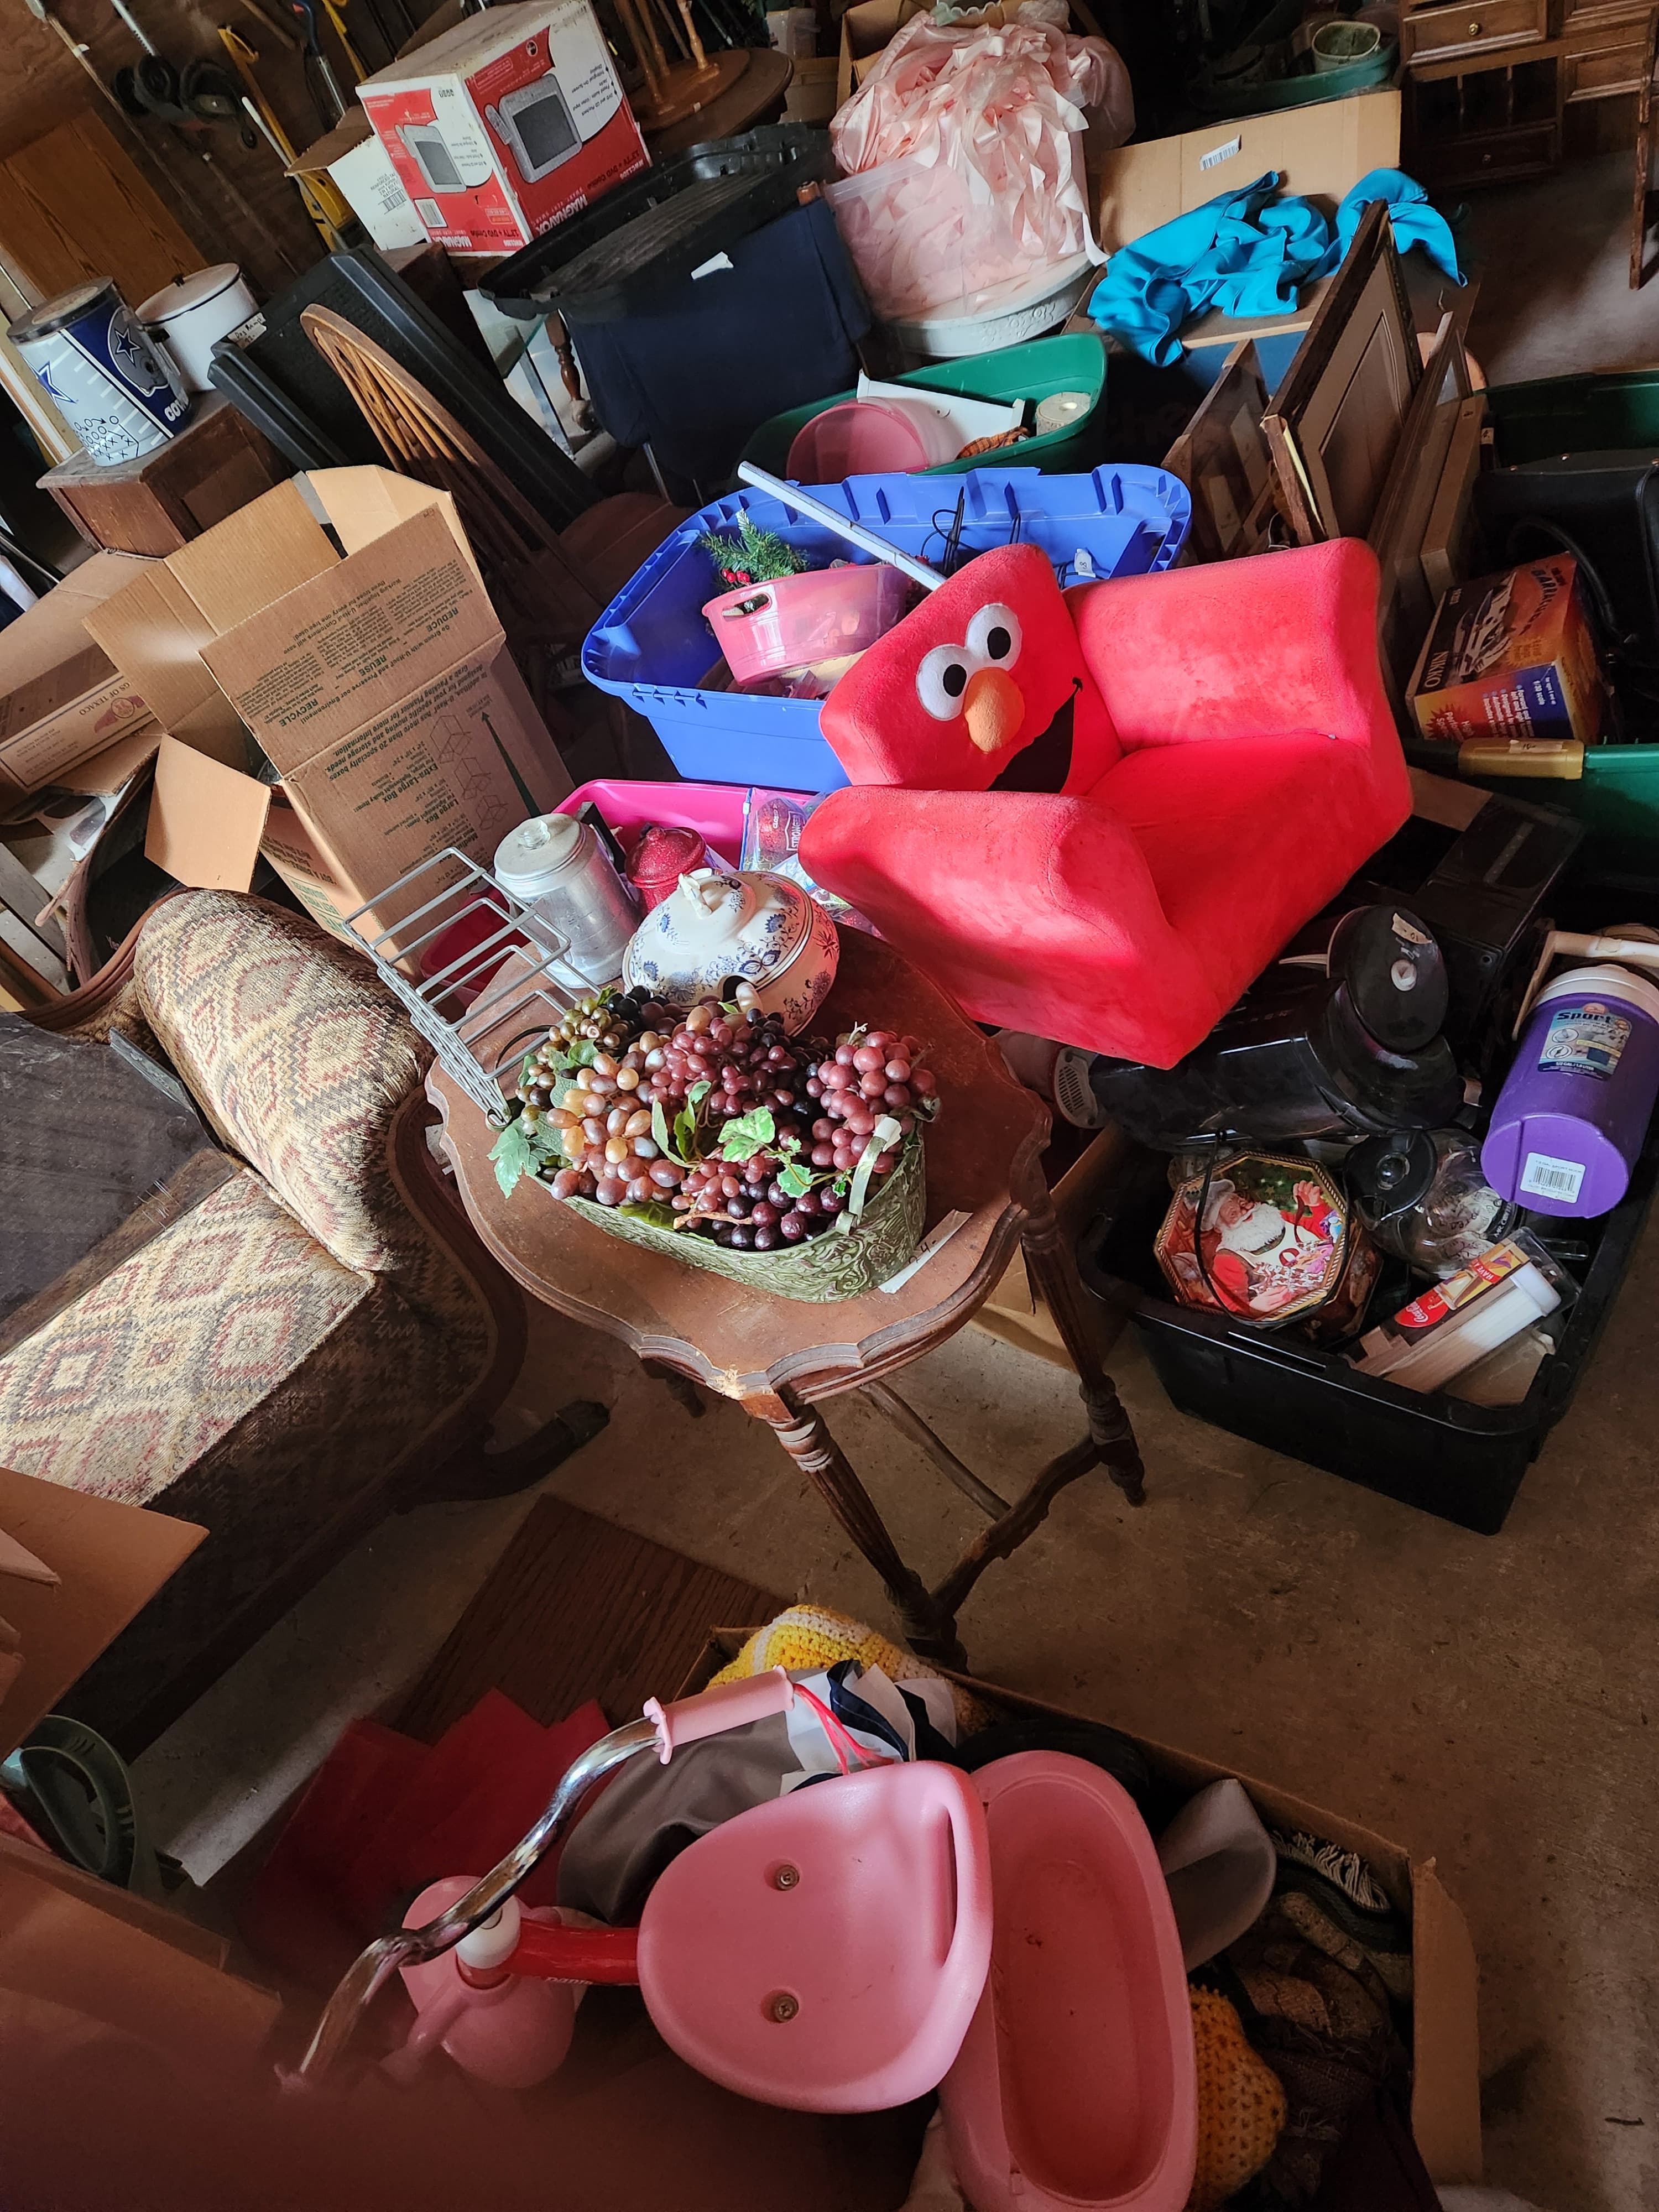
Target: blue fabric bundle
x=1249, y=252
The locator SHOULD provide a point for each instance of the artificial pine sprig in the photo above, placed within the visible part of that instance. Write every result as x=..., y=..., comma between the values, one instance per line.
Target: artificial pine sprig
x=756, y=556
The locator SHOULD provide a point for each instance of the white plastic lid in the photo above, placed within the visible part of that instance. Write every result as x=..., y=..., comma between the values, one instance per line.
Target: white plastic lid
x=493, y=1943
x=528, y=858
x=187, y=292
x=1607, y=982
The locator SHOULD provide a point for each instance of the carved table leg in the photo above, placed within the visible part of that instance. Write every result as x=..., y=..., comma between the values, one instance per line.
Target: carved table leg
x=930, y=1626
x=1054, y=1277
x=681, y=1387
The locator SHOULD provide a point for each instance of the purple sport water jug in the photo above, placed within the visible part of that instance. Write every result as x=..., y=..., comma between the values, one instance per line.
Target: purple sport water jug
x=1575, y=1106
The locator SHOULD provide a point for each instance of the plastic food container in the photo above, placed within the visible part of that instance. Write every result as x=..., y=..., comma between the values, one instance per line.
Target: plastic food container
x=652, y=646
x=1572, y=1116
x=796, y=620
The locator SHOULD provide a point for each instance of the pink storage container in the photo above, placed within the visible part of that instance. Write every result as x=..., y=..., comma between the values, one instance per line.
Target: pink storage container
x=715, y=811
x=864, y=438
x=762, y=628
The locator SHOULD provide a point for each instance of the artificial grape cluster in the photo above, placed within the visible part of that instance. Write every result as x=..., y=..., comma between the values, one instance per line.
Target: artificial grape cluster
x=713, y=1120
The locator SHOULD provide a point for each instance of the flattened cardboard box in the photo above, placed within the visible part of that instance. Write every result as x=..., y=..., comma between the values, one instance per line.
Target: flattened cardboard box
x=1319, y=151
x=378, y=684
x=1445, y=2111
x=62, y=699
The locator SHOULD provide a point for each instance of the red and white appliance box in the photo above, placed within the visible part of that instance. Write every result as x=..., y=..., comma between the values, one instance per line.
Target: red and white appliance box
x=507, y=124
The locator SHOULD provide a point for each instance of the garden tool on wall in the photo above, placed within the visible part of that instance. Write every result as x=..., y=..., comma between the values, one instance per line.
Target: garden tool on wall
x=330, y=105
x=323, y=203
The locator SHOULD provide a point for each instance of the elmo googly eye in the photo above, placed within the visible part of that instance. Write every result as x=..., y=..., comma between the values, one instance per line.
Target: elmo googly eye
x=994, y=636
x=942, y=678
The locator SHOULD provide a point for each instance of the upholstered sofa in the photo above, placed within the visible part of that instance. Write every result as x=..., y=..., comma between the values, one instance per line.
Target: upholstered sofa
x=315, y=1336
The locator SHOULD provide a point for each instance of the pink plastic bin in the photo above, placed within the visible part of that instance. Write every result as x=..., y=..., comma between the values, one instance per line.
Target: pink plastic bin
x=715, y=811
x=860, y=438
x=762, y=628
x=1075, y=2084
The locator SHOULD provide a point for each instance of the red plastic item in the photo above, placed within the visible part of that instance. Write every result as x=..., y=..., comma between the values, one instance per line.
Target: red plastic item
x=555, y=1954
x=665, y=851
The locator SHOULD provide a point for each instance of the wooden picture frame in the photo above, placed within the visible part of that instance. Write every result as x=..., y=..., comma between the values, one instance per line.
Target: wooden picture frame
x=1335, y=421
x=1224, y=461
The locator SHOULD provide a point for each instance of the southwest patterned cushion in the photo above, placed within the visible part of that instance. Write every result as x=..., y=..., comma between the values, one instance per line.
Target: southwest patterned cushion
x=129, y=1387
x=296, y=1052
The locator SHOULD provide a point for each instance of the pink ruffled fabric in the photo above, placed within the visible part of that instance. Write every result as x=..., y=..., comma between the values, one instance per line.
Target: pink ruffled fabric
x=964, y=156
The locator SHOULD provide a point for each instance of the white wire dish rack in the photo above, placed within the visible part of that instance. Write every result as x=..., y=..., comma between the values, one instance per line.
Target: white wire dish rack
x=483, y=978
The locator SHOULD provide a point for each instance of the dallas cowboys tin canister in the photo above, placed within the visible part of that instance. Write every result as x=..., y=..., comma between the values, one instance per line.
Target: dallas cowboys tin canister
x=118, y=392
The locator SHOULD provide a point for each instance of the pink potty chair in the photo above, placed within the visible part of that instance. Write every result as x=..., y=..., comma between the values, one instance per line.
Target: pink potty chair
x=1075, y=2085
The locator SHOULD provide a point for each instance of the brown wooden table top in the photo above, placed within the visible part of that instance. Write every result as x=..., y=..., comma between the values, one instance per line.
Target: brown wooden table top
x=762, y=86
x=982, y=1158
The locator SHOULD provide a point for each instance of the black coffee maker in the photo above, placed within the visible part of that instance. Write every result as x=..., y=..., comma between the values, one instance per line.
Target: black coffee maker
x=1339, y=1039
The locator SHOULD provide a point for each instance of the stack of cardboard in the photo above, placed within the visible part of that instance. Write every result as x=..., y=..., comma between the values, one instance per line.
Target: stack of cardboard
x=341, y=624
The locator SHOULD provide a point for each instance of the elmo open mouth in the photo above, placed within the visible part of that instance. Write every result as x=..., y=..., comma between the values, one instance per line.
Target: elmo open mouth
x=1046, y=762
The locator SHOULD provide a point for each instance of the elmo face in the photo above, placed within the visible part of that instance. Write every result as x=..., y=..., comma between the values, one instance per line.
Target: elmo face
x=980, y=688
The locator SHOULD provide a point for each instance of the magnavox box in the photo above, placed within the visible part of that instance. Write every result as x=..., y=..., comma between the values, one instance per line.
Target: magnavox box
x=505, y=125
x=62, y=699
x=375, y=679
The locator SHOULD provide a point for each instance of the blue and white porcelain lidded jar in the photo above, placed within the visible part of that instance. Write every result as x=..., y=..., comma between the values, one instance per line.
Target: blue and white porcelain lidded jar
x=762, y=931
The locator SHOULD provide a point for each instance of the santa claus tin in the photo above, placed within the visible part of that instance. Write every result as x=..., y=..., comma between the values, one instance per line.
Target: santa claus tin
x=1268, y=1236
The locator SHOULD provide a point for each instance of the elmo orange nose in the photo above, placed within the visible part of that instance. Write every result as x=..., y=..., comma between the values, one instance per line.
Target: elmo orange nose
x=993, y=707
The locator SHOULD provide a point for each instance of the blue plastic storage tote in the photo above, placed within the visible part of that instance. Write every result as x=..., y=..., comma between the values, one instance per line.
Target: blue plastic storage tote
x=652, y=647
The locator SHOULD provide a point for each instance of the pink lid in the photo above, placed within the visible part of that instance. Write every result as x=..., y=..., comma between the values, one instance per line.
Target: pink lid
x=665, y=853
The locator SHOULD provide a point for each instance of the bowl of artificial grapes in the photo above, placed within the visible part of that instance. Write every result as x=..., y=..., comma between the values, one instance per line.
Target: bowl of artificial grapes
x=793, y=1165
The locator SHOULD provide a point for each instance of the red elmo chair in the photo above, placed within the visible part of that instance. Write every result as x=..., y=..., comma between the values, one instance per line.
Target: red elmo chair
x=1098, y=814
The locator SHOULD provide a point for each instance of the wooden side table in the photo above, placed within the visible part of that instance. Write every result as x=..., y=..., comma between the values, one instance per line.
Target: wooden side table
x=780, y=1358
x=158, y=502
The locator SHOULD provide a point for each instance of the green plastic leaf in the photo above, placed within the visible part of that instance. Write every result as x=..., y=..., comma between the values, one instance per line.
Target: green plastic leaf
x=697, y=1093
x=796, y=1179
x=655, y=1211
x=515, y=1154
x=747, y=1133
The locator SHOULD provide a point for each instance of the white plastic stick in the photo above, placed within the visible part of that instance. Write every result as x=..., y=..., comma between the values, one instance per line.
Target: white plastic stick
x=803, y=502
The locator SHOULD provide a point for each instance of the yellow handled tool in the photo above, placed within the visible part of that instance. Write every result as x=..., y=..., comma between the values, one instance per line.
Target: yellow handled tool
x=324, y=202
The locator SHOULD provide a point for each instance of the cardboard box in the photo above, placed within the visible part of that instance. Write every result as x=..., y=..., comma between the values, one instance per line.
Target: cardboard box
x=1319, y=151
x=378, y=685
x=1510, y=656
x=865, y=28
x=1445, y=2111
x=813, y=96
x=506, y=123
x=1013, y=1311
x=359, y=168
x=62, y=699
x=102, y=1561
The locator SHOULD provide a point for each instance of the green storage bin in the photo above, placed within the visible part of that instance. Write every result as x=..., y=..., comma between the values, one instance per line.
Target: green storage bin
x=1614, y=413
x=1035, y=371
x=1617, y=799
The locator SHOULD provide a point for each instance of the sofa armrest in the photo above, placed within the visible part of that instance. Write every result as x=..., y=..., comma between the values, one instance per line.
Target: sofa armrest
x=1267, y=647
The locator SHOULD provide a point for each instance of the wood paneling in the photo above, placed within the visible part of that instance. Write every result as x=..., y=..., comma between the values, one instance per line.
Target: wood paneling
x=73, y=205
x=233, y=204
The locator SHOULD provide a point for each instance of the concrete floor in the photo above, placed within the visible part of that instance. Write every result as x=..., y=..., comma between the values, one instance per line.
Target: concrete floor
x=1487, y=1701
x=1554, y=260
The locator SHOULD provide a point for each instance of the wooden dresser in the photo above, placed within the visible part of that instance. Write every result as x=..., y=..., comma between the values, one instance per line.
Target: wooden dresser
x=1490, y=84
